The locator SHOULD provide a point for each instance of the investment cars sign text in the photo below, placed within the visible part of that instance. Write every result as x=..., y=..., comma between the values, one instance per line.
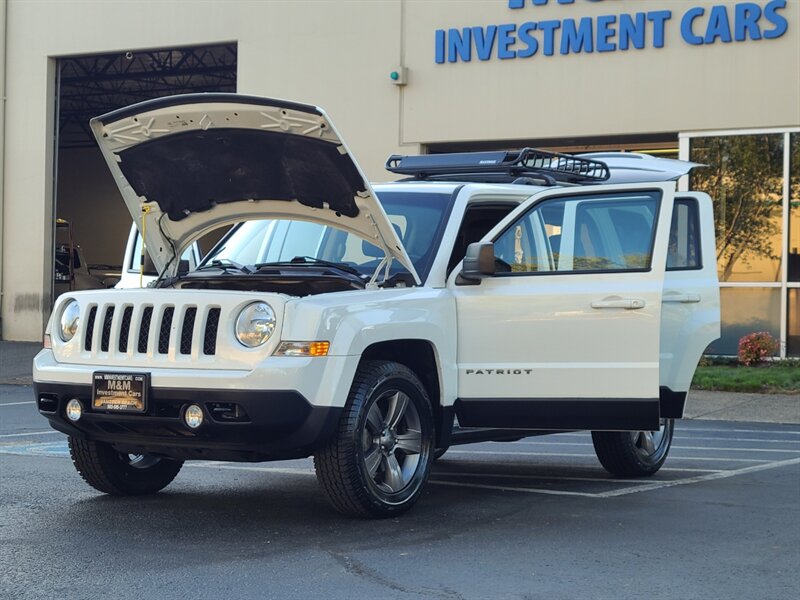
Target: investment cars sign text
x=719, y=24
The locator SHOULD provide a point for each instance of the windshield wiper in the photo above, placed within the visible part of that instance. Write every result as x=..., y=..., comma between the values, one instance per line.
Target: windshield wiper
x=224, y=264
x=310, y=260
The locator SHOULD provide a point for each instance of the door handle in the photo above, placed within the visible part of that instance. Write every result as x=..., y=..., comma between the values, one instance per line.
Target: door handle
x=617, y=302
x=683, y=298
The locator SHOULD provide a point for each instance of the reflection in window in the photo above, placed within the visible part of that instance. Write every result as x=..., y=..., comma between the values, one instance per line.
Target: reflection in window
x=684, y=237
x=793, y=330
x=601, y=233
x=745, y=311
x=793, y=256
x=744, y=177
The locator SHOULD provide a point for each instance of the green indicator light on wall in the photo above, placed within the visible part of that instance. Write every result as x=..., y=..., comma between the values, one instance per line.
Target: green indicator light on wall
x=394, y=75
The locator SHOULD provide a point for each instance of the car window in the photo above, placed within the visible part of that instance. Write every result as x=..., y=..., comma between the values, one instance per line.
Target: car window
x=136, y=257
x=418, y=220
x=684, y=236
x=608, y=232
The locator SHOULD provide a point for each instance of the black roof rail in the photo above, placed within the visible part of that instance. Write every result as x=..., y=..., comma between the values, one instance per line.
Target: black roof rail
x=518, y=163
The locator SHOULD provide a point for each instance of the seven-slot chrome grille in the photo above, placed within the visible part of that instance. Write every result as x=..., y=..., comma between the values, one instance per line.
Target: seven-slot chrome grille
x=167, y=329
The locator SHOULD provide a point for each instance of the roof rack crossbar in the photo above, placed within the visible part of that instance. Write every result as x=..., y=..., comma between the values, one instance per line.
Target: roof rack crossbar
x=528, y=161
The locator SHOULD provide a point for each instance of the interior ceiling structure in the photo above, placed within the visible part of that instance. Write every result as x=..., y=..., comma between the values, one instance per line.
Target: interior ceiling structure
x=89, y=86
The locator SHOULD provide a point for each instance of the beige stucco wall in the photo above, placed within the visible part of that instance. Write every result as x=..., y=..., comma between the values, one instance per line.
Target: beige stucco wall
x=338, y=53
x=679, y=87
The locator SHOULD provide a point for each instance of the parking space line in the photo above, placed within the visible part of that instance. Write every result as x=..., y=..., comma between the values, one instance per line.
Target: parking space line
x=736, y=449
x=17, y=403
x=646, y=487
x=503, y=488
x=701, y=478
x=674, y=440
x=541, y=477
x=671, y=456
x=10, y=435
x=712, y=430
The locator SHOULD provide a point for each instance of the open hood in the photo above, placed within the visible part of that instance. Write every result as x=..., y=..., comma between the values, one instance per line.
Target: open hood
x=187, y=164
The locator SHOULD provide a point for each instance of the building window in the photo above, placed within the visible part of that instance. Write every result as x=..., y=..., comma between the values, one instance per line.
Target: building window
x=753, y=178
x=744, y=177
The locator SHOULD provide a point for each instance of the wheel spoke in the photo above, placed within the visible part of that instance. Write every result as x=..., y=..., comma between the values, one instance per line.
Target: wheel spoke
x=646, y=442
x=373, y=460
x=393, y=475
x=375, y=419
x=397, y=408
x=410, y=441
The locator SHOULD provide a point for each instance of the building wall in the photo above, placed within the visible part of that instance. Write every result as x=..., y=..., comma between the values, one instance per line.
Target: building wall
x=338, y=54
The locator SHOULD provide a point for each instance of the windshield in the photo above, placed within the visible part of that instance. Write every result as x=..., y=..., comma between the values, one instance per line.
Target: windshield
x=418, y=220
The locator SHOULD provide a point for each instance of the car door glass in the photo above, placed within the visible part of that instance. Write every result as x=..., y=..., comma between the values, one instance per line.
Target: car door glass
x=608, y=232
x=684, y=236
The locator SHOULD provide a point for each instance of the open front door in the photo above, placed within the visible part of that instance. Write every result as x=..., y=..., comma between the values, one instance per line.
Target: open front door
x=565, y=334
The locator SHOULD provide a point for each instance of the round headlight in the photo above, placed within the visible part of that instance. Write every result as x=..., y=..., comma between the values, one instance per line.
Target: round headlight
x=255, y=324
x=70, y=319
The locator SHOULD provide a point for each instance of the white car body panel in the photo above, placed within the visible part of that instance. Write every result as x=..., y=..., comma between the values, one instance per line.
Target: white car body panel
x=545, y=327
x=690, y=318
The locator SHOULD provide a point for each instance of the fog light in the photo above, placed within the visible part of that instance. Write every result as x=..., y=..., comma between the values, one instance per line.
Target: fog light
x=193, y=416
x=74, y=409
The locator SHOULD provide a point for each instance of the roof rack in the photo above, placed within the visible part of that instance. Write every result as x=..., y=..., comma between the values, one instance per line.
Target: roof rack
x=528, y=161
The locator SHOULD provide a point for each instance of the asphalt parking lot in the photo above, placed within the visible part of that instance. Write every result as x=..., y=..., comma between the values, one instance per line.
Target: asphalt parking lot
x=538, y=518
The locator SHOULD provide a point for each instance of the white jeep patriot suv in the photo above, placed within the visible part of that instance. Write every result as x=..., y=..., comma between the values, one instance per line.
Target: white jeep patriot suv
x=487, y=296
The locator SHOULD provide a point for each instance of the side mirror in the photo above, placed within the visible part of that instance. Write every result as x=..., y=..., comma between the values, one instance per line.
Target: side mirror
x=478, y=262
x=183, y=266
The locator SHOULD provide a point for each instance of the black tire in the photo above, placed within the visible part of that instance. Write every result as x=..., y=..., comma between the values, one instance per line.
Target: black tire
x=112, y=472
x=634, y=453
x=373, y=467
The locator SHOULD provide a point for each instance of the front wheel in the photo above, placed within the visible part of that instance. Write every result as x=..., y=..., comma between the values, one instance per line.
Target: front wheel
x=634, y=453
x=118, y=474
x=380, y=456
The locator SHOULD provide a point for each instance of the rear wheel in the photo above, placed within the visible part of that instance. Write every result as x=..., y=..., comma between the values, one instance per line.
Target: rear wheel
x=118, y=474
x=380, y=457
x=634, y=453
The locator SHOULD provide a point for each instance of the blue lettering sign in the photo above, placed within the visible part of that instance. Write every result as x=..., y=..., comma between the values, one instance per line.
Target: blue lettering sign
x=699, y=26
x=746, y=22
x=771, y=15
x=525, y=36
x=577, y=38
x=549, y=29
x=605, y=33
x=484, y=41
x=659, y=18
x=632, y=31
x=718, y=26
x=687, y=23
x=505, y=40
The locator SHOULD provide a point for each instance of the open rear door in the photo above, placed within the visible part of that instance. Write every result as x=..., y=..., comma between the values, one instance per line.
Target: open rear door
x=690, y=310
x=565, y=334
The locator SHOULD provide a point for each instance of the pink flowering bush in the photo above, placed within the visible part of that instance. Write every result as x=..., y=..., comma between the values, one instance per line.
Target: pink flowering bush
x=756, y=347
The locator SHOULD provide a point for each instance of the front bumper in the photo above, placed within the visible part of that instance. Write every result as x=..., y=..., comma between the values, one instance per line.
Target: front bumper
x=277, y=424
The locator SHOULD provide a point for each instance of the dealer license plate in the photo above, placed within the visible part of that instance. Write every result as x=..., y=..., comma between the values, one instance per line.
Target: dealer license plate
x=120, y=392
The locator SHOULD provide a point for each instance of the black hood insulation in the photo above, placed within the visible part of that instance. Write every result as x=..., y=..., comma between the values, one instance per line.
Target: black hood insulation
x=192, y=171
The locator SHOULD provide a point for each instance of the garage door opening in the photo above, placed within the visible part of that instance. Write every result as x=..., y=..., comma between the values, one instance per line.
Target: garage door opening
x=92, y=223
